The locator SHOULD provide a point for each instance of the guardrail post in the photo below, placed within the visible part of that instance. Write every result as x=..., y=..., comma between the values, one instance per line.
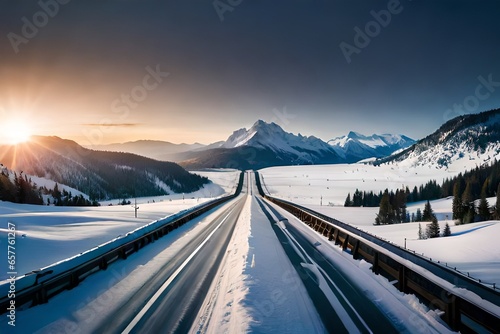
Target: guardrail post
x=316, y=225
x=330, y=234
x=103, y=264
x=123, y=253
x=41, y=296
x=452, y=313
x=355, y=251
x=402, y=279
x=336, y=236
x=346, y=242
x=73, y=280
x=375, y=263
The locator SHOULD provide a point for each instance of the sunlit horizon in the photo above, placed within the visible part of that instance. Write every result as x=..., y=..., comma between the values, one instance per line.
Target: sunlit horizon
x=15, y=132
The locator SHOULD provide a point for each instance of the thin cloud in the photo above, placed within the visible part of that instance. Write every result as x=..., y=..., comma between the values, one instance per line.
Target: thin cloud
x=118, y=125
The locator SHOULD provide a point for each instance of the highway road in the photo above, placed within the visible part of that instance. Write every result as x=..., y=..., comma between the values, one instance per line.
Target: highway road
x=170, y=300
x=342, y=307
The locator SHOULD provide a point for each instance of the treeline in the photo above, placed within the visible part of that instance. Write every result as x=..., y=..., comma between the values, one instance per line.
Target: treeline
x=23, y=190
x=464, y=205
x=392, y=208
x=481, y=182
x=65, y=198
x=430, y=191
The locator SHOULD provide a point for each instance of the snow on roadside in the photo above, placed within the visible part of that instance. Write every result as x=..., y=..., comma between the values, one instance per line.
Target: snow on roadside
x=48, y=234
x=262, y=293
x=83, y=309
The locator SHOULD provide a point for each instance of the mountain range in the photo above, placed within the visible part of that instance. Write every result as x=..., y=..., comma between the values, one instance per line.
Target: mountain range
x=355, y=147
x=465, y=141
x=264, y=145
x=154, y=149
x=267, y=144
x=102, y=175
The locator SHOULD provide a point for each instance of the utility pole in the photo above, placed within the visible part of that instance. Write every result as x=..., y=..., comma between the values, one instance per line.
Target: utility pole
x=321, y=201
x=135, y=207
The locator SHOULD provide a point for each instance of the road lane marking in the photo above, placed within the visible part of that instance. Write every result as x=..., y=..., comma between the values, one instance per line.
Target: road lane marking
x=169, y=281
x=295, y=244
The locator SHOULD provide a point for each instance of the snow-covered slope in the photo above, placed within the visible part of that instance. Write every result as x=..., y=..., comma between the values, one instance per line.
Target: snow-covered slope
x=355, y=146
x=463, y=142
x=103, y=175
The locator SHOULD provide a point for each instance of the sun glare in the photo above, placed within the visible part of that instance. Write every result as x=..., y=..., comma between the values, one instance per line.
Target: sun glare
x=15, y=132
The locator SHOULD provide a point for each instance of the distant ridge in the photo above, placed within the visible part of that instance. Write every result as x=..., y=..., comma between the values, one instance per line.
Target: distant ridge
x=465, y=141
x=102, y=175
x=355, y=147
x=154, y=149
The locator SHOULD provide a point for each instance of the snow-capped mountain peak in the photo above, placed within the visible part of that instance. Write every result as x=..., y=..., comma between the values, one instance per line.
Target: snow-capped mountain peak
x=356, y=146
x=270, y=142
x=271, y=135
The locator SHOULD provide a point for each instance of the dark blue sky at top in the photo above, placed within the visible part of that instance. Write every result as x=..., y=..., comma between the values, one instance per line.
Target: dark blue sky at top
x=263, y=58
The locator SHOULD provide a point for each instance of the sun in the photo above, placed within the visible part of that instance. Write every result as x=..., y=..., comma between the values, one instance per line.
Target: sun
x=15, y=132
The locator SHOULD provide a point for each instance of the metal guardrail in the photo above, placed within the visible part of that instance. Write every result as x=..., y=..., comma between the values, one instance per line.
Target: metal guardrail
x=459, y=310
x=46, y=283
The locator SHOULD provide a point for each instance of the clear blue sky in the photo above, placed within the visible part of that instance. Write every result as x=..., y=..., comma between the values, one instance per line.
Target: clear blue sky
x=264, y=58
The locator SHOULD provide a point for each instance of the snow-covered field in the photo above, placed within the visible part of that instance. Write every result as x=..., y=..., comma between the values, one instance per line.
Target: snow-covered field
x=471, y=248
x=330, y=184
x=47, y=234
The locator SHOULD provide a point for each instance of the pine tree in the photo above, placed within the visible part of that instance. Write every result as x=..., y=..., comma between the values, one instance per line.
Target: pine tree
x=348, y=201
x=399, y=206
x=428, y=213
x=447, y=230
x=421, y=234
x=484, y=208
x=385, y=214
x=457, y=202
x=357, y=198
x=469, y=209
x=433, y=228
x=418, y=218
x=56, y=193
